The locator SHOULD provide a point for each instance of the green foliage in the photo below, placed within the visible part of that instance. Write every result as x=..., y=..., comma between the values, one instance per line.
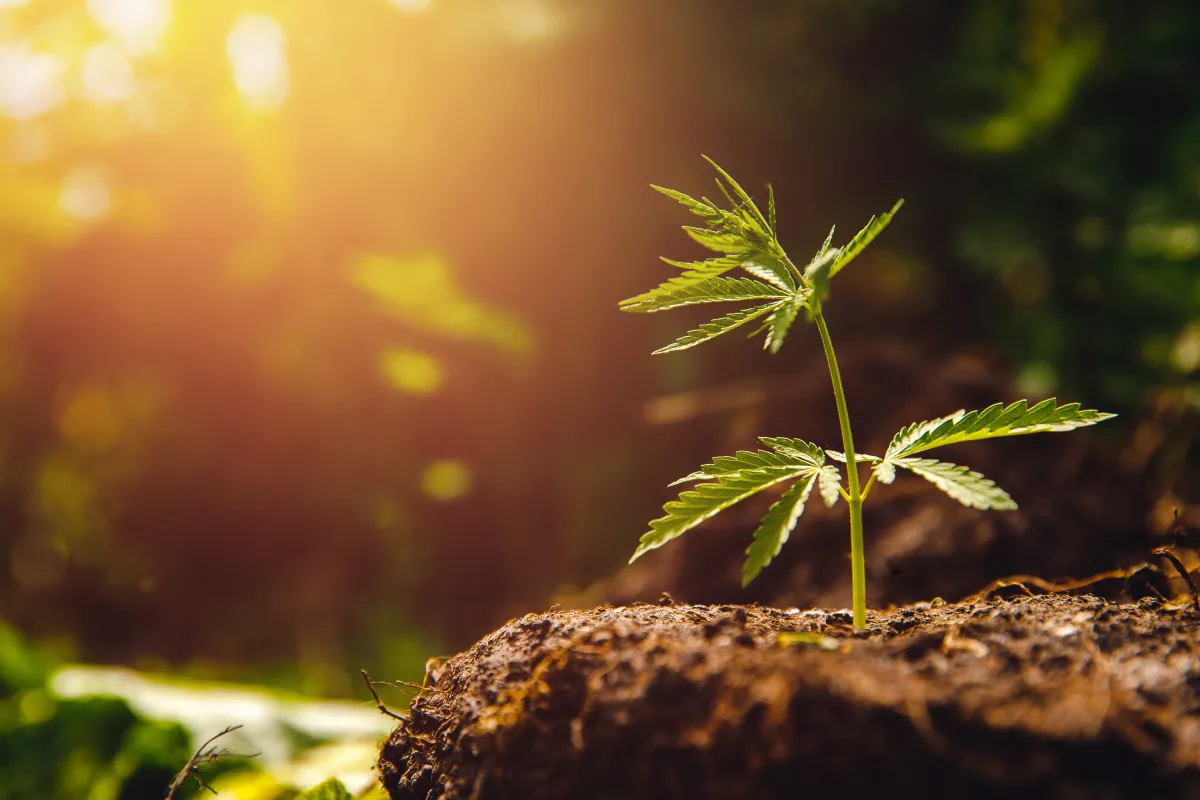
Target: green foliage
x=994, y=421
x=747, y=240
x=736, y=478
x=331, y=789
x=65, y=749
x=776, y=526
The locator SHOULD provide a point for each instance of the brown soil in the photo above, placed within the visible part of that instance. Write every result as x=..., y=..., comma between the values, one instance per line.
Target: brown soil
x=1053, y=696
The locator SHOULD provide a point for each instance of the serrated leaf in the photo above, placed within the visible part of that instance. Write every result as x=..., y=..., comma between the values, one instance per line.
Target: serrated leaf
x=713, y=329
x=711, y=267
x=676, y=294
x=967, y=487
x=994, y=421
x=740, y=192
x=873, y=228
x=830, y=484
x=695, y=206
x=699, y=273
x=861, y=458
x=817, y=274
x=776, y=527
x=803, y=452
x=781, y=319
x=331, y=789
x=771, y=270
x=745, y=460
x=885, y=471
x=824, y=246
x=784, y=453
x=771, y=210
x=708, y=499
x=717, y=240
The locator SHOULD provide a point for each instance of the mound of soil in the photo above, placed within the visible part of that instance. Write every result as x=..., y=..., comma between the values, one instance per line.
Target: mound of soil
x=1052, y=696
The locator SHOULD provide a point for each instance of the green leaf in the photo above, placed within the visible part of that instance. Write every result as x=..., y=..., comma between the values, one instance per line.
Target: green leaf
x=709, y=499
x=861, y=458
x=747, y=460
x=873, y=228
x=776, y=526
x=771, y=270
x=331, y=789
x=830, y=484
x=994, y=421
x=781, y=319
x=824, y=246
x=741, y=193
x=967, y=487
x=720, y=241
x=711, y=267
x=885, y=471
x=676, y=293
x=698, y=272
x=693, y=205
x=713, y=329
x=771, y=210
x=798, y=449
x=817, y=274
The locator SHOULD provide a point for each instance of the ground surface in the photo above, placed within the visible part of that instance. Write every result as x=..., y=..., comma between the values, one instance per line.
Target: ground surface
x=1051, y=696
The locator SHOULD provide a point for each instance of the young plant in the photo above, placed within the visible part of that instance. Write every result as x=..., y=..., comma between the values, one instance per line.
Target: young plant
x=776, y=291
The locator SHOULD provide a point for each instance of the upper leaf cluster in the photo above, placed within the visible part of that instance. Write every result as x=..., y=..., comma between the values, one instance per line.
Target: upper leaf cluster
x=746, y=239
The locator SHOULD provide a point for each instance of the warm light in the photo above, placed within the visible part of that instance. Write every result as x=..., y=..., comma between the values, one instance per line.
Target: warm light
x=85, y=193
x=411, y=6
x=527, y=20
x=446, y=480
x=107, y=74
x=256, y=47
x=137, y=24
x=12, y=3
x=30, y=83
x=411, y=371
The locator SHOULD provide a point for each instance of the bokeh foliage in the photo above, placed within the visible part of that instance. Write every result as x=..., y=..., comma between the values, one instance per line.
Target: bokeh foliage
x=308, y=344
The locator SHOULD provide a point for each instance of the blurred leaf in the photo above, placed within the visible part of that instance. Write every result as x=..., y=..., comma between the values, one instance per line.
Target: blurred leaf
x=422, y=292
x=331, y=789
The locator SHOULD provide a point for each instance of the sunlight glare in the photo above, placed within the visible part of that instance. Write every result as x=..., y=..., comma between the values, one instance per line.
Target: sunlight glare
x=30, y=83
x=411, y=6
x=12, y=3
x=446, y=480
x=137, y=24
x=85, y=193
x=256, y=47
x=107, y=74
x=527, y=20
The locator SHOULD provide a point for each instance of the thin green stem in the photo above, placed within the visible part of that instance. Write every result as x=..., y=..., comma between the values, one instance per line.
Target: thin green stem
x=867, y=489
x=858, y=566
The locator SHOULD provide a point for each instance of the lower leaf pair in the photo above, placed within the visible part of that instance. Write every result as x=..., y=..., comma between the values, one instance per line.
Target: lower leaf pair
x=731, y=479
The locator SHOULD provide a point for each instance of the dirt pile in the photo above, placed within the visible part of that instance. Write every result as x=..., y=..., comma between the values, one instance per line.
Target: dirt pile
x=1052, y=696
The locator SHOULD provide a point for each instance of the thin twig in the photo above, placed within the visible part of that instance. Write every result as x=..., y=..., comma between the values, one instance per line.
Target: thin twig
x=1169, y=555
x=379, y=703
x=203, y=757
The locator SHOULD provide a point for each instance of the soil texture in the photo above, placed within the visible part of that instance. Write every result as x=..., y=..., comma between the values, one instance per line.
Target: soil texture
x=1049, y=696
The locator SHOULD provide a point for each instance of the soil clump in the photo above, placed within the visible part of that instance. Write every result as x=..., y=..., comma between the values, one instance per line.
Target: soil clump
x=1049, y=696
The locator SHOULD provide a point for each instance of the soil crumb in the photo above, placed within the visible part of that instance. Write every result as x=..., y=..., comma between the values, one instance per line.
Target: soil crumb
x=1052, y=696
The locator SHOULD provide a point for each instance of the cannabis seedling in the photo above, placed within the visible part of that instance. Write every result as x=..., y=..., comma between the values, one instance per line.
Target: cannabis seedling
x=778, y=290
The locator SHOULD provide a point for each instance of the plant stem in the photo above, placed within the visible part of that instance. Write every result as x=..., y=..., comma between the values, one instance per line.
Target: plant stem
x=858, y=566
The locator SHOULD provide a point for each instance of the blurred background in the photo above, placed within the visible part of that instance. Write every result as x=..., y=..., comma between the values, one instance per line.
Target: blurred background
x=309, y=350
